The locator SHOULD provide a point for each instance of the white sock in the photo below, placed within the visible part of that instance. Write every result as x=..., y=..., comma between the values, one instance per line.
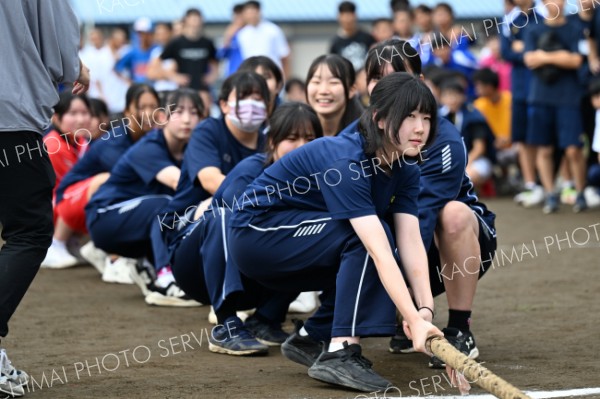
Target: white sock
x=165, y=277
x=530, y=185
x=335, y=346
x=303, y=332
x=59, y=244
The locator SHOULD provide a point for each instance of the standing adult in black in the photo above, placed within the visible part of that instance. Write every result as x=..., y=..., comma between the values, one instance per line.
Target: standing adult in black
x=43, y=39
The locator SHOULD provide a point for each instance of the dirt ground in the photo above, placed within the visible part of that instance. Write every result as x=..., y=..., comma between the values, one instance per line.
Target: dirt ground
x=535, y=321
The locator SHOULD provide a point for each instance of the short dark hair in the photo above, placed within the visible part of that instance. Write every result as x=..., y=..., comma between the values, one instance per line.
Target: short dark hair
x=424, y=9
x=250, y=64
x=65, y=100
x=238, y=8
x=98, y=107
x=446, y=7
x=245, y=84
x=382, y=20
x=398, y=4
x=452, y=85
x=192, y=11
x=252, y=4
x=294, y=82
x=393, y=99
x=487, y=77
x=347, y=6
x=176, y=96
x=135, y=91
x=291, y=119
x=398, y=53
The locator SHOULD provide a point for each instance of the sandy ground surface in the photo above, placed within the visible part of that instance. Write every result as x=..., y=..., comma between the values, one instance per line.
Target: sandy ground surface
x=535, y=321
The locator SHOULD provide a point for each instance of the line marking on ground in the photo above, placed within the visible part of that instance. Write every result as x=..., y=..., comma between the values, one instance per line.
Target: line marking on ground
x=533, y=394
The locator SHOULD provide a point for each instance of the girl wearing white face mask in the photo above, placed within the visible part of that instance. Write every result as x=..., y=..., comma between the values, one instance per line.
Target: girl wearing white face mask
x=216, y=146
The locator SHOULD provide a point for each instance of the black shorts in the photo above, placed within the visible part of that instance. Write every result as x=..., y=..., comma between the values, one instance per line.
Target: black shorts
x=438, y=272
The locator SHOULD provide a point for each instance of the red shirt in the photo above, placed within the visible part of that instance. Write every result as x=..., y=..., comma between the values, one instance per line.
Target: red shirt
x=63, y=154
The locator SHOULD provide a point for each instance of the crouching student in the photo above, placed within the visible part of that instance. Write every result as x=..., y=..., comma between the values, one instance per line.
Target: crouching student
x=199, y=260
x=215, y=147
x=119, y=215
x=316, y=224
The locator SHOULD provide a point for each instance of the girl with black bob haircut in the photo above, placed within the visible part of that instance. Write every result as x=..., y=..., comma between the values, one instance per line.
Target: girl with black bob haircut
x=317, y=222
x=382, y=120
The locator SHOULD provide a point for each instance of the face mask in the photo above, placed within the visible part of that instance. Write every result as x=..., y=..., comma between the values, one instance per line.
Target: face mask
x=252, y=114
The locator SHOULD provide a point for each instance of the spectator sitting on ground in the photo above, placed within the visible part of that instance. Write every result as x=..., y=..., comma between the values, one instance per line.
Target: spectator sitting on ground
x=478, y=137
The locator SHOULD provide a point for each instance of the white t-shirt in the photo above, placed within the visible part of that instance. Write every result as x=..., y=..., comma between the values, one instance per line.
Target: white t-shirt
x=264, y=39
x=596, y=141
x=163, y=85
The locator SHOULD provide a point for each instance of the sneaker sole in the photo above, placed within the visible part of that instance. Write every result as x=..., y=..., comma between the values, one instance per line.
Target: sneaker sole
x=296, y=355
x=248, y=352
x=157, y=299
x=402, y=351
x=474, y=354
x=14, y=392
x=326, y=374
x=269, y=343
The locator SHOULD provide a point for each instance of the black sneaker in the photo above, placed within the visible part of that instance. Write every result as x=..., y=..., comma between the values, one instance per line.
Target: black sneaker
x=172, y=295
x=232, y=338
x=463, y=341
x=143, y=275
x=400, y=343
x=299, y=349
x=349, y=368
x=268, y=334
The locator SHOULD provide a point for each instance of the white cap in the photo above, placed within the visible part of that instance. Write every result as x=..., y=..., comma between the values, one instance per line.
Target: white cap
x=143, y=24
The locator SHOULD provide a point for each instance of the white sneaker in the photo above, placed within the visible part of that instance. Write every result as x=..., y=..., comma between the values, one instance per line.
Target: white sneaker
x=17, y=378
x=118, y=271
x=530, y=198
x=592, y=197
x=170, y=296
x=58, y=257
x=9, y=389
x=305, y=303
x=96, y=257
x=242, y=314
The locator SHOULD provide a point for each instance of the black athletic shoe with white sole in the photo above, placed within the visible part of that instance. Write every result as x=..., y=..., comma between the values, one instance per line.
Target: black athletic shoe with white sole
x=400, y=343
x=143, y=275
x=463, y=341
x=299, y=349
x=349, y=368
x=269, y=334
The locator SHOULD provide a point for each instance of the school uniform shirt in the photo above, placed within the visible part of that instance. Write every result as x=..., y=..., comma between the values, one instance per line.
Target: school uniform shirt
x=266, y=39
x=444, y=179
x=63, y=154
x=520, y=75
x=230, y=192
x=192, y=57
x=102, y=155
x=335, y=176
x=472, y=126
x=211, y=144
x=134, y=175
x=565, y=90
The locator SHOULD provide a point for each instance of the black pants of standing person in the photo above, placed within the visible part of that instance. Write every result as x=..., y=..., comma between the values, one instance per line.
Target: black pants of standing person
x=26, y=183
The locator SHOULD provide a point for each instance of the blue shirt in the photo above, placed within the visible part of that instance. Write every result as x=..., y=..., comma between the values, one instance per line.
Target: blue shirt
x=333, y=175
x=211, y=145
x=520, y=75
x=444, y=179
x=461, y=60
x=135, y=62
x=135, y=174
x=566, y=89
x=233, y=54
x=472, y=126
x=102, y=155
